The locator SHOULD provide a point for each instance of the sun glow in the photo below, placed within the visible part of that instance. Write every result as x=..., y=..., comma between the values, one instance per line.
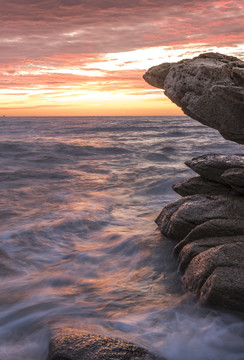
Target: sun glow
x=144, y=58
x=111, y=84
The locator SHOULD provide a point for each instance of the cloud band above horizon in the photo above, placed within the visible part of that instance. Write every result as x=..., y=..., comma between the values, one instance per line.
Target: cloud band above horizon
x=51, y=47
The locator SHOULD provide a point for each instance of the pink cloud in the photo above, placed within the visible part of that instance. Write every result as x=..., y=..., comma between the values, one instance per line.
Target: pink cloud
x=37, y=34
x=35, y=29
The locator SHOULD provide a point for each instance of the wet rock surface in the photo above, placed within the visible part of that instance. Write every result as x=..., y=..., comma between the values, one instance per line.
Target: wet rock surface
x=224, y=288
x=202, y=265
x=212, y=167
x=209, y=230
x=194, y=248
x=209, y=88
x=72, y=344
x=178, y=218
x=214, y=228
x=198, y=185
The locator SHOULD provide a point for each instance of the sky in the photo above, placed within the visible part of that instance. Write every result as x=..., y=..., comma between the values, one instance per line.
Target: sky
x=87, y=57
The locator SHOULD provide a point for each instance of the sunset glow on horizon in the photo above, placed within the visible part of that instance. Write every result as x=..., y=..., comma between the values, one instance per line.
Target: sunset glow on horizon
x=87, y=58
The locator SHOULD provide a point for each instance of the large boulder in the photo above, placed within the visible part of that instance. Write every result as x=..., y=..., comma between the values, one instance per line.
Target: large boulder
x=208, y=88
x=73, y=344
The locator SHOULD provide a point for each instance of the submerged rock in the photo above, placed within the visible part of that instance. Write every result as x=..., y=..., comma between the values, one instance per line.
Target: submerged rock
x=208, y=88
x=72, y=344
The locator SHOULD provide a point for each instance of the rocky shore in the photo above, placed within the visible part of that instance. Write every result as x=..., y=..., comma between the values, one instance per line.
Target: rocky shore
x=207, y=223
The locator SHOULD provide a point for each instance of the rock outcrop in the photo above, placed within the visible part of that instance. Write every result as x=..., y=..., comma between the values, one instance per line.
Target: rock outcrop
x=209, y=230
x=207, y=223
x=72, y=344
x=209, y=88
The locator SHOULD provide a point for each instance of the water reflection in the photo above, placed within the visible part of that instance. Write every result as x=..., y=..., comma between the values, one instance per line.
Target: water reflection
x=78, y=244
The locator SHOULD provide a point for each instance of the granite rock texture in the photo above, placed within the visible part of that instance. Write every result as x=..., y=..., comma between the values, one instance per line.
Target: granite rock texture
x=73, y=344
x=209, y=88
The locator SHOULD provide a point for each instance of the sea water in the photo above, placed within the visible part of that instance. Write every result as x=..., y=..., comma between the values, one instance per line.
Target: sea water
x=78, y=243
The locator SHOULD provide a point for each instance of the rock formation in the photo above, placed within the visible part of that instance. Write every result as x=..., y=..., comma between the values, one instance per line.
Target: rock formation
x=209, y=230
x=207, y=223
x=72, y=344
x=209, y=88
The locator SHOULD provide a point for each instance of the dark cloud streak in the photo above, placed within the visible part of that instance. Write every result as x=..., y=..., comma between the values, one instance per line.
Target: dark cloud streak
x=52, y=27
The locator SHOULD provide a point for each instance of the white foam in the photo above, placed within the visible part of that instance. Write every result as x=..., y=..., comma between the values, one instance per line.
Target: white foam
x=211, y=336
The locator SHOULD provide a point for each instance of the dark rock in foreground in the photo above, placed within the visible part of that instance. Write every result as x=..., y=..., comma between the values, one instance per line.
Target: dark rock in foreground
x=71, y=344
x=209, y=88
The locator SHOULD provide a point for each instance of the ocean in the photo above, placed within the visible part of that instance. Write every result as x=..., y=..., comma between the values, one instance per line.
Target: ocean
x=78, y=243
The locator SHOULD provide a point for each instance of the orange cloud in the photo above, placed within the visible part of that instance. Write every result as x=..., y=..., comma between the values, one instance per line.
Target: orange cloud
x=85, y=57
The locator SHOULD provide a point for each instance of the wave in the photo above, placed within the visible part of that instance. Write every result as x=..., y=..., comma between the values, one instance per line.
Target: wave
x=76, y=150
x=78, y=243
x=33, y=174
x=12, y=147
x=157, y=157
